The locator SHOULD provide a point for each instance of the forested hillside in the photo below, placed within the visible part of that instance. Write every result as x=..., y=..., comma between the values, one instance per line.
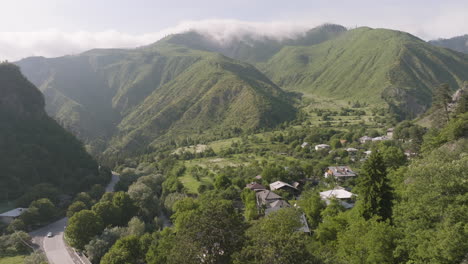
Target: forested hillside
x=133, y=97
x=373, y=65
x=459, y=43
x=34, y=149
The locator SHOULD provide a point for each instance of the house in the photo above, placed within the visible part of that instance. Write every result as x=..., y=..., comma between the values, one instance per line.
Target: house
x=409, y=153
x=390, y=133
x=8, y=217
x=343, y=141
x=255, y=186
x=367, y=152
x=365, y=139
x=340, y=172
x=296, y=184
x=258, y=177
x=351, y=150
x=279, y=185
x=339, y=193
x=381, y=138
x=322, y=146
x=305, y=145
x=266, y=197
x=275, y=206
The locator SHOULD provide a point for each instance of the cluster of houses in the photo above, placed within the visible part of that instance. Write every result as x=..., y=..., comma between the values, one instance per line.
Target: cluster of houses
x=388, y=136
x=268, y=201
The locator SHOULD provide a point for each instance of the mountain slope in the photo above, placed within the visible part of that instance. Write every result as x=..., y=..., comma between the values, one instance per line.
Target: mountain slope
x=34, y=149
x=459, y=43
x=371, y=65
x=127, y=96
x=254, y=49
x=215, y=94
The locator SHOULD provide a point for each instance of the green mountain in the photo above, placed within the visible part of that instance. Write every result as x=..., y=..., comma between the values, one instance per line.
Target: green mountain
x=459, y=43
x=34, y=149
x=255, y=49
x=138, y=98
x=371, y=65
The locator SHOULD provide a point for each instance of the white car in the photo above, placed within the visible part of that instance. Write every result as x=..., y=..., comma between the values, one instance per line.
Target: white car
x=49, y=234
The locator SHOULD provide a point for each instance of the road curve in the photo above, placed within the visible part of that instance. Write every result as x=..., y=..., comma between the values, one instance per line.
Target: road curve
x=54, y=247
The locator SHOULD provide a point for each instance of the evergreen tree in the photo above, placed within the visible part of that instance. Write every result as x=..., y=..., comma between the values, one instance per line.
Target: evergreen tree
x=374, y=192
x=440, y=100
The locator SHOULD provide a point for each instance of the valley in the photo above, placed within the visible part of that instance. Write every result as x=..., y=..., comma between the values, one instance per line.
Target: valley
x=338, y=145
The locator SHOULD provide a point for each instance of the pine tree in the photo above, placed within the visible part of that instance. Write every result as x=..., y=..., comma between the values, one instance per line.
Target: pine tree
x=374, y=192
x=440, y=101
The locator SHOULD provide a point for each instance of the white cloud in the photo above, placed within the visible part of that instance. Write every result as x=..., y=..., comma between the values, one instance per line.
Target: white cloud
x=53, y=43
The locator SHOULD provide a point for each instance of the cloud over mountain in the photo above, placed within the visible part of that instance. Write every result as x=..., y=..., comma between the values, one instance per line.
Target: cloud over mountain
x=52, y=43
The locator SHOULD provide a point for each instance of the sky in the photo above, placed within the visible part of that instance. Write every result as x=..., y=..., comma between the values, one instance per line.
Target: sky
x=54, y=28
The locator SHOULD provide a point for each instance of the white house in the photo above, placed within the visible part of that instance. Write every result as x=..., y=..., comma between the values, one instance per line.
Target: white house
x=322, y=146
x=352, y=150
x=279, y=185
x=381, y=138
x=305, y=145
x=390, y=133
x=339, y=193
x=8, y=217
x=365, y=139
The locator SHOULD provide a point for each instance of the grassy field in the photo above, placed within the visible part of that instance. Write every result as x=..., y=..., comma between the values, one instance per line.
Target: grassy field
x=12, y=260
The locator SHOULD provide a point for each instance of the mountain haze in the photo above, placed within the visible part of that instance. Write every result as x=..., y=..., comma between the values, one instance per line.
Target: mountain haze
x=133, y=97
x=34, y=149
x=254, y=49
x=459, y=43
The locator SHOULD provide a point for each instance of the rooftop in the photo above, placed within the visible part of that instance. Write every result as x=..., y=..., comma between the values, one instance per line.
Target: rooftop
x=255, y=186
x=279, y=184
x=341, y=171
x=338, y=193
x=267, y=195
x=14, y=213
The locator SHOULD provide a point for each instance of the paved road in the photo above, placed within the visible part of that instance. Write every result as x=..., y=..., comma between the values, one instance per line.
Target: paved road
x=54, y=247
x=113, y=182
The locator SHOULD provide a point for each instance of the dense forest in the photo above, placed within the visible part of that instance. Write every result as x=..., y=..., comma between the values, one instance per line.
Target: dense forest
x=339, y=146
x=36, y=154
x=408, y=207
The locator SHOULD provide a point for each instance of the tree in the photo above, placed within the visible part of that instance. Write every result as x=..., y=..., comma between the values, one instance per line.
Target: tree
x=367, y=242
x=276, y=239
x=136, y=227
x=96, y=191
x=101, y=244
x=440, y=101
x=82, y=227
x=312, y=205
x=45, y=208
x=374, y=192
x=222, y=182
x=37, y=257
x=145, y=198
x=108, y=212
x=16, y=225
x=75, y=208
x=125, y=250
x=250, y=204
x=163, y=243
x=125, y=205
x=85, y=198
x=432, y=213
x=208, y=234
